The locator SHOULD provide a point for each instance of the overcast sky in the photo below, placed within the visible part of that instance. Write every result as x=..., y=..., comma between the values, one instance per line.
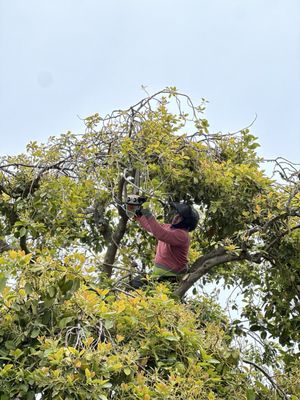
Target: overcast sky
x=64, y=58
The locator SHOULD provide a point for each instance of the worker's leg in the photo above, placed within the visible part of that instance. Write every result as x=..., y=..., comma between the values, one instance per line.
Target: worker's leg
x=138, y=281
x=171, y=279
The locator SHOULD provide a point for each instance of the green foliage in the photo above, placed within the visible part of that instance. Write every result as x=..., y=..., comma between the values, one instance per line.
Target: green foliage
x=279, y=291
x=66, y=338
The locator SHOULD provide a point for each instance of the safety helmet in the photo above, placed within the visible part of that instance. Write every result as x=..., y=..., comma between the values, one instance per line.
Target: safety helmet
x=188, y=213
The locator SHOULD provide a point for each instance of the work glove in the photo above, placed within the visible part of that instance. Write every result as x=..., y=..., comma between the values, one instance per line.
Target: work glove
x=143, y=211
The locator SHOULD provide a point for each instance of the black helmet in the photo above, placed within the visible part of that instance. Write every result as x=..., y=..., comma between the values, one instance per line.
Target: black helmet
x=188, y=213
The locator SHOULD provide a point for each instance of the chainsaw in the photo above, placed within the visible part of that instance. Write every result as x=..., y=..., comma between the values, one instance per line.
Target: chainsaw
x=134, y=203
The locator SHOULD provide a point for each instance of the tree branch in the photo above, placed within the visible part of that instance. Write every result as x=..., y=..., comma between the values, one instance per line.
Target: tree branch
x=278, y=238
x=273, y=383
x=204, y=265
x=117, y=235
x=23, y=245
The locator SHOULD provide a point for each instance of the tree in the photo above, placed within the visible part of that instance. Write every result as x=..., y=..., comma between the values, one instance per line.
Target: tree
x=67, y=196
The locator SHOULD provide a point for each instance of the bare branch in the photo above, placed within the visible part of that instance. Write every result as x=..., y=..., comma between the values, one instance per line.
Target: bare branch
x=267, y=375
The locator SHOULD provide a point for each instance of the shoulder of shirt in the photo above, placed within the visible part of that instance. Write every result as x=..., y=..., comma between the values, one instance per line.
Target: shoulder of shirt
x=184, y=232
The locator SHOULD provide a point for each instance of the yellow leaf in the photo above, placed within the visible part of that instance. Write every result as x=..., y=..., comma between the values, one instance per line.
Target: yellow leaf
x=120, y=307
x=164, y=297
x=162, y=388
x=22, y=292
x=56, y=373
x=102, y=292
x=89, y=374
x=13, y=254
x=230, y=247
x=88, y=341
x=72, y=350
x=70, y=378
x=27, y=258
x=104, y=347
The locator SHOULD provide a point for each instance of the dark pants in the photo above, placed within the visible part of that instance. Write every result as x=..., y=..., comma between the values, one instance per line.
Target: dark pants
x=140, y=281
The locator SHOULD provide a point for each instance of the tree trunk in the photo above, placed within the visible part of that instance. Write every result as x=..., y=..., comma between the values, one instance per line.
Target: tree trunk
x=113, y=246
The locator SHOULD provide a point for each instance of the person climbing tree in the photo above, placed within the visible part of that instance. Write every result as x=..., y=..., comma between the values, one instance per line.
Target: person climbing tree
x=171, y=259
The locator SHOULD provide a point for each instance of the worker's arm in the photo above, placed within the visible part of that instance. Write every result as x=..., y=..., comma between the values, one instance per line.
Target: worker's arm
x=175, y=237
x=143, y=220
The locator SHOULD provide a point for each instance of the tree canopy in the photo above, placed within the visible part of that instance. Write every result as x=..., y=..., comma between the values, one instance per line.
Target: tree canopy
x=69, y=325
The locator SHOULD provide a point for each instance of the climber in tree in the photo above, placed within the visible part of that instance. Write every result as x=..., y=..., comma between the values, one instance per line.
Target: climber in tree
x=171, y=257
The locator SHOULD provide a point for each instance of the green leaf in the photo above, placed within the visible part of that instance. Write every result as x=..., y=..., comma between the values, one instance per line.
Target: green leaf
x=30, y=395
x=67, y=285
x=250, y=393
x=5, y=369
x=255, y=328
x=22, y=232
x=127, y=371
x=107, y=385
x=10, y=345
x=49, y=302
x=76, y=284
x=51, y=290
x=17, y=353
x=171, y=338
x=35, y=333
x=3, y=281
x=28, y=288
x=108, y=324
x=64, y=322
x=263, y=335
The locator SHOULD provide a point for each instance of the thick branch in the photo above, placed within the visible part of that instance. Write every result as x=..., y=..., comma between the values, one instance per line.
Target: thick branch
x=219, y=256
x=117, y=235
x=113, y=246
x=23, y=245
x=204, y=265
x=215, y=252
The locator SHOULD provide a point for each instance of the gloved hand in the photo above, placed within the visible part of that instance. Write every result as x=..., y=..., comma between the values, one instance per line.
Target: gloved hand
x=143, y=211
x=138, y=212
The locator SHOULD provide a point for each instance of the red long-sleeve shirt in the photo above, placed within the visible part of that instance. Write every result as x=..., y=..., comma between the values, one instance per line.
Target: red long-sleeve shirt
x=173, y=244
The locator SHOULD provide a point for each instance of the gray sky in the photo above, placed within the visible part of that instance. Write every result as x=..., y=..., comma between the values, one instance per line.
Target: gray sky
x=63, y=58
